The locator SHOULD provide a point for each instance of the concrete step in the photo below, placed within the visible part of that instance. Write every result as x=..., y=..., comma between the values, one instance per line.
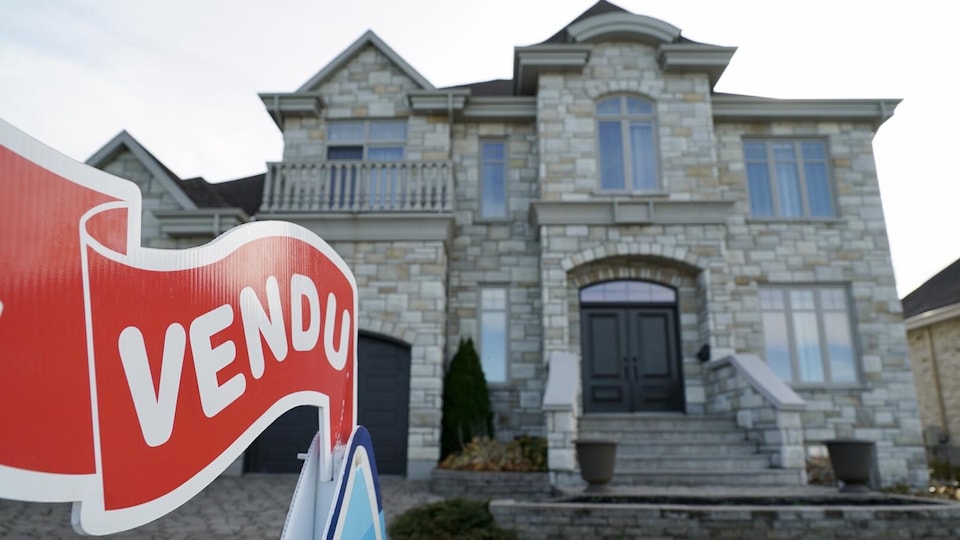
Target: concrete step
x=667, y=477
x=706, y=464
x=673, y=422
x=721, y=436
x=738, y=447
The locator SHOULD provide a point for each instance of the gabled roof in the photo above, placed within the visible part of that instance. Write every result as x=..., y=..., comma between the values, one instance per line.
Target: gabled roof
x=368, y=38
x=165, y=176
x=941, y=290
x=192, y=193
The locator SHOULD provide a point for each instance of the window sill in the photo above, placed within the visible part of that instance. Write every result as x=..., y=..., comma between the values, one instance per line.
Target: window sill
x=801, y=387
x=631, y=194
x=825, y=220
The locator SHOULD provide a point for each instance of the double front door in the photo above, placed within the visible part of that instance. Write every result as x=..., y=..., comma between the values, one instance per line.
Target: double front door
x=630, y=359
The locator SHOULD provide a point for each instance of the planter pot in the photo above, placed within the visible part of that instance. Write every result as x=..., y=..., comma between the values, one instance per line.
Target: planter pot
x=596, y=458
x=852, y=463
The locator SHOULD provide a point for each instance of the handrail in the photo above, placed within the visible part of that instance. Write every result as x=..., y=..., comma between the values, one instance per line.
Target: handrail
x=358, y=186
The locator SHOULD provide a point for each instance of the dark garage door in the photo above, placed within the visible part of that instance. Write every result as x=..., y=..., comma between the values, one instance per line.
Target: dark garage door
x=383, y=395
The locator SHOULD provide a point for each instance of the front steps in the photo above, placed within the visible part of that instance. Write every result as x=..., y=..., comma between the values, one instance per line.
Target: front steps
x=674, y=449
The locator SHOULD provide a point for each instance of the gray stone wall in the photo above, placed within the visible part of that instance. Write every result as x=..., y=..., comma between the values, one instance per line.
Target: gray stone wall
x=935, y=357
x=402, y=294
x=567, y=125
x=501, y=253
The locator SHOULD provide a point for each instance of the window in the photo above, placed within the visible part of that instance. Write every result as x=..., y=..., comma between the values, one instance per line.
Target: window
x=493, y=180
x=627, y=147
x=373, y=140
x=618, y=292
x=369, y=140
x=788, y=179
x=493, y=333
x=807, y=335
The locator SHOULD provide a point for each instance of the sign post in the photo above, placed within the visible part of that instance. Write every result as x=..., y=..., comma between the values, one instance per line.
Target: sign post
x=156, y=369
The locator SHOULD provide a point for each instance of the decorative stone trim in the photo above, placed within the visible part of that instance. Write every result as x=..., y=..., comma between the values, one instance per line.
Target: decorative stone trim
x=735, y=107
x=286, y=105
x=437, y=101
x=484, y=485
x=530, y=62
x=626, y=212
x=679, y=254
x=624, y=27
x=203, y=222
x=696, y=58
x=518, y=108
x=374, y=227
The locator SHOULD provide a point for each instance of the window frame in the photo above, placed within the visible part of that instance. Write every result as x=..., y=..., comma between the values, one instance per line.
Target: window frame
x=822, y=337
x=624, y=118
x=505, y=165
x=481, y=310
x=800, y=162
x=366, y=143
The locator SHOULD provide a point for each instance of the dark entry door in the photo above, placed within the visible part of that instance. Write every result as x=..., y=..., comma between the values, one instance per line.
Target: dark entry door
x=383, y=397
x=630, y=359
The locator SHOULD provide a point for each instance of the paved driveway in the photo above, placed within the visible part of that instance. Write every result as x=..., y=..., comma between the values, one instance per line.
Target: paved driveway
x=253, y=506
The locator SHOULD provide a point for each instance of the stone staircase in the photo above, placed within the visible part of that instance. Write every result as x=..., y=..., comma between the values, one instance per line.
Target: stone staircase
x=680, y=450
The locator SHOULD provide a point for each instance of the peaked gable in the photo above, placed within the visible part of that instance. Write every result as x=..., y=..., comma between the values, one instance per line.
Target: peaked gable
x=371, y=39
x=123, y=141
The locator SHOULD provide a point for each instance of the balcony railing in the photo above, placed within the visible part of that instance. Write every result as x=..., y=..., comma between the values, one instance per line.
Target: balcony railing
x=358, y=186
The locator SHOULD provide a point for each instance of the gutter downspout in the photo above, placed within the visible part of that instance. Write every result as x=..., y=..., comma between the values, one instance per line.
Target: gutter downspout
x=936, y=383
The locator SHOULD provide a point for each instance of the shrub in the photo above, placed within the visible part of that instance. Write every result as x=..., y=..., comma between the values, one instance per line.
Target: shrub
x=525, y=454
x=454, y=519
x=466, y=403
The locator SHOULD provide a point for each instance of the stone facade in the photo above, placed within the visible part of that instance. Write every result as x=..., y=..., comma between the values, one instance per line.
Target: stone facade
x=694, y=233
x=935, y=357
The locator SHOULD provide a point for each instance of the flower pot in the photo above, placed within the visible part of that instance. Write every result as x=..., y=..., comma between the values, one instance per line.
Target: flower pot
x=852, y=463
x=596, y=458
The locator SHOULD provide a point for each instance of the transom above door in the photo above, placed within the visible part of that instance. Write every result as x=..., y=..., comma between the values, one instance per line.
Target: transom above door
x=630, y=348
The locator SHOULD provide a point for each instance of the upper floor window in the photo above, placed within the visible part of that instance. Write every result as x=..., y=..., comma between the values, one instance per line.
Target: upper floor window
x=626, y=137
x=372, y=140
x=493, y=180
x=788, y=179
x=807, y=334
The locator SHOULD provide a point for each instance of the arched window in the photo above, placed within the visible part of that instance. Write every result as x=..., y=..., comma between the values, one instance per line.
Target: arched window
x=626, y=139
x=625, y=292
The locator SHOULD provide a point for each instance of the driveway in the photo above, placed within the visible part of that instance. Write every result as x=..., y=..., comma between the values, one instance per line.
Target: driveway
x=248, y=507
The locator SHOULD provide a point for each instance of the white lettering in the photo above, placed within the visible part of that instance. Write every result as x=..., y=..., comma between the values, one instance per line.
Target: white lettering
x=256, y=323
x=155, y=409
x=302, y=287
x=337, y=359
x=207, y=361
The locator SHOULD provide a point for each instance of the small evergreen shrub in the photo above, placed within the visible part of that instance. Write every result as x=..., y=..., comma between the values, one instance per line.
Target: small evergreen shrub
x=454, y=519
x=466, y=402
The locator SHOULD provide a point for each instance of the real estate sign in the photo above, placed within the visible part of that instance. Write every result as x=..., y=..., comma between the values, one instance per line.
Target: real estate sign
x=131, y=377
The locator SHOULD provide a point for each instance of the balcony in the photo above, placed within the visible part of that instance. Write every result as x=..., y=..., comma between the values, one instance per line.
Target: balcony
x=358, y=187
x=363, y=201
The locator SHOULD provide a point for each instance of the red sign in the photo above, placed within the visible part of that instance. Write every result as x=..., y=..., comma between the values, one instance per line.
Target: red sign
x=131, y=377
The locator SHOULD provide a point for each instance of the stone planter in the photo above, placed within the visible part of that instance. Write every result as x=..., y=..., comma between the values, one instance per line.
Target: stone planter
x=852, y=462
x=597, y=458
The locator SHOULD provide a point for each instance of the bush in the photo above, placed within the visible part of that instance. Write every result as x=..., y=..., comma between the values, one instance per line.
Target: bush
x=454, y=519
x=466, y=403
x=525, y=454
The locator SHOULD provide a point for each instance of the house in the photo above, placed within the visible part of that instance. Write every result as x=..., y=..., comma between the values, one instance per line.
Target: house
x=932, y=318
x=634, y=254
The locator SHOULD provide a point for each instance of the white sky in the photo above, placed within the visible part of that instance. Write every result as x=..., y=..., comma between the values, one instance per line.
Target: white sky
x=182, y=76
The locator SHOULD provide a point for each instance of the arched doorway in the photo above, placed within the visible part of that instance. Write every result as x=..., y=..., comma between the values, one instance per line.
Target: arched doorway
x=630, y=347
x=383, y=403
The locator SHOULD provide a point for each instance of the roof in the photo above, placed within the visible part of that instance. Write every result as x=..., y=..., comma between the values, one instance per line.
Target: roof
x=491, y=88
x=600, y=8
x=939, y=291
x=192, y=193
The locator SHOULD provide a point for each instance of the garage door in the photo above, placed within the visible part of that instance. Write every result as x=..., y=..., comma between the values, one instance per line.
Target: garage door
x=383, y=394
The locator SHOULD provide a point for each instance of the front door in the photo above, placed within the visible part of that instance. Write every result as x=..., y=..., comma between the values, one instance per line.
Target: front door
x=630, y=358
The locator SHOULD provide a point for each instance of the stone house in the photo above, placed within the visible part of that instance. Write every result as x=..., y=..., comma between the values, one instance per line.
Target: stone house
x=932, y=318
x=698, y=273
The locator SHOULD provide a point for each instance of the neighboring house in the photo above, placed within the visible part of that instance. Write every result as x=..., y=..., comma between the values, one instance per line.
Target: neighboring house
x=598, y=224
x=932, y=314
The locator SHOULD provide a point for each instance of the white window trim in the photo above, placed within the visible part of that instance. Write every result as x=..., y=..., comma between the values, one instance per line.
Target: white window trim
x=506, y=330
x=824, y=345
x=624, y=119
x=506, y=181
x=801, y=173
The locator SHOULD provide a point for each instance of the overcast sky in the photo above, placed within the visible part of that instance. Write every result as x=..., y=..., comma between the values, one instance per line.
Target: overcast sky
x=182, y=76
